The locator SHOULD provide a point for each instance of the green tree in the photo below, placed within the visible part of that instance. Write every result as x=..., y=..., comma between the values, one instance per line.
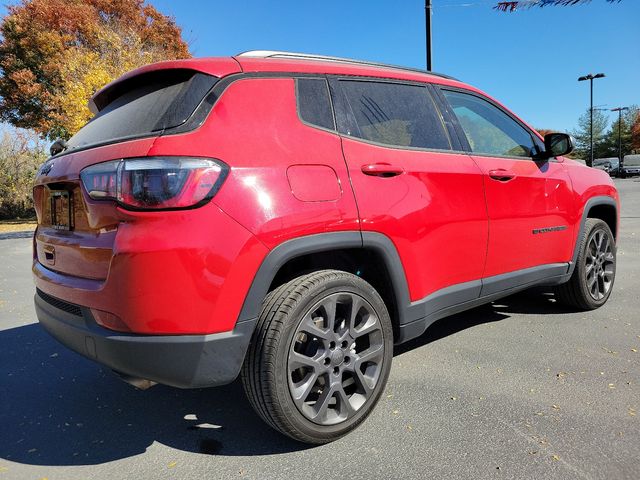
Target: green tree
x=620, y=132
x=635, y=133
x=582, y=134
x=21, y=152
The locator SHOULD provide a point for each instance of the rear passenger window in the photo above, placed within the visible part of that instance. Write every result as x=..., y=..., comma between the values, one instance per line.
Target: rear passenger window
x=314, y=105
x=395, y=114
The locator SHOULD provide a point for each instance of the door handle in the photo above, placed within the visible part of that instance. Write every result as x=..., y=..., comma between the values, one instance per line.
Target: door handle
x=502, y=175
x=382, y=170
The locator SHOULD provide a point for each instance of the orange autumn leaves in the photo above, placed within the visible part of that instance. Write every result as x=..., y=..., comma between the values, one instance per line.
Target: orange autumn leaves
x=55, y=54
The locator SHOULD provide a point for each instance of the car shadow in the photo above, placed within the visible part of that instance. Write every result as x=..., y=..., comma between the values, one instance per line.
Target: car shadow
x=58, y=408
x=534, y=301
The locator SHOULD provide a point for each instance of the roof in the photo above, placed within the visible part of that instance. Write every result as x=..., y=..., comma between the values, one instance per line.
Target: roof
x=275, y=61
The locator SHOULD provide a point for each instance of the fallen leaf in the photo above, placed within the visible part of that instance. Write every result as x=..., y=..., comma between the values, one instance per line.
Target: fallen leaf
x=611, y=385
x=172, y=464
x=634, y=350
x=395, y=412
x=453, y=398
x=555, y=407
x=53, y=355
x=555, y=457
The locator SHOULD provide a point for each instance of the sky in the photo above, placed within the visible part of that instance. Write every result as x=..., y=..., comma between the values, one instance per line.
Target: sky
x=529, y=60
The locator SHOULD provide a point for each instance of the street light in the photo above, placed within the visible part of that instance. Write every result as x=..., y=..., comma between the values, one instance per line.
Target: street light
x=620, y=110
x=590, y=77
x=427, y=14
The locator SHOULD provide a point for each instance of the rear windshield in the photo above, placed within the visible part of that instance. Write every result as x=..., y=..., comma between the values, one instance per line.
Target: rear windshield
x=145, y=105
x=632, y=160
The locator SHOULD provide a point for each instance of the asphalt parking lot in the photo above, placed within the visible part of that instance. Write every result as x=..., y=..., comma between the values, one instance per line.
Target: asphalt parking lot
x=521, y=388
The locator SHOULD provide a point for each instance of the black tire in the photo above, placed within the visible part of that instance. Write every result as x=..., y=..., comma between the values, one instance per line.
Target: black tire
x=295, y=339
x=592, y=266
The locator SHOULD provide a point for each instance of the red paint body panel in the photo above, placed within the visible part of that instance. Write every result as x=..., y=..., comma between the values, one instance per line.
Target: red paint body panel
x=260, y=118
x=538, y=196
x=189, y=271
x=434, y=213
x=314, y=183
x=172, y=273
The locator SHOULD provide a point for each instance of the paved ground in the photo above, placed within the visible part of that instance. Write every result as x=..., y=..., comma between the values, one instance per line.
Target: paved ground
x=517, y=389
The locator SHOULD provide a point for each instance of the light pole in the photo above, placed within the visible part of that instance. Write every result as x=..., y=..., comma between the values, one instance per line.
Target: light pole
x=590, y=77
x=427, y=15
x=620, y=110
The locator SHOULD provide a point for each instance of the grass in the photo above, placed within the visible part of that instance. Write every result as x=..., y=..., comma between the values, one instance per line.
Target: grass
x=17, y=225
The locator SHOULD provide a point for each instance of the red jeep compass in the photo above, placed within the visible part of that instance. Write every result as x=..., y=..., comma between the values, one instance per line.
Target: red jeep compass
x=289, y=218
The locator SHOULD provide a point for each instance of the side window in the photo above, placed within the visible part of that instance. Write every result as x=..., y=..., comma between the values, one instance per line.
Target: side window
x=395, y=114
x=488, y=129
x=314, y=105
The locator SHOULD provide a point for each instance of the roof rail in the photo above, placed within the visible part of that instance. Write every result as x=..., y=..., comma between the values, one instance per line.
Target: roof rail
x=311, y=56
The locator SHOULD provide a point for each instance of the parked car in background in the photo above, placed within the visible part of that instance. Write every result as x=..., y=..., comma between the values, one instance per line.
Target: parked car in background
x=630, y=166
x=611, y=165
x=288, y=218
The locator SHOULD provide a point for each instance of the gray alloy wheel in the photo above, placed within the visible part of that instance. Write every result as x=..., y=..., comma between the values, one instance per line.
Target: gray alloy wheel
x=335, y=358
x=592, y=280
x=600, y=264
x=320, y=356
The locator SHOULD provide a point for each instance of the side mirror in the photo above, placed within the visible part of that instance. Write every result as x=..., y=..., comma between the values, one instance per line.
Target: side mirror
x=557, y=144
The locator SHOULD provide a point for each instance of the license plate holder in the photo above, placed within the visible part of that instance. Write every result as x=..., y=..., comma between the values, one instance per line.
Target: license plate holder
x=61, y=210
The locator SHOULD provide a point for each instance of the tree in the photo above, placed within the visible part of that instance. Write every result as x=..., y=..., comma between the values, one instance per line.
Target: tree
x=522, y=4
x=620, y=132
x=544, y=131
x=21, y=152
x=55, y=54
x=635, y=132
x=583, y=133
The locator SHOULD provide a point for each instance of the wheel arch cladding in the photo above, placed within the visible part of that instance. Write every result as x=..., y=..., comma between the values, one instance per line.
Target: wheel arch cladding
x=371, y=256
x=606, y=211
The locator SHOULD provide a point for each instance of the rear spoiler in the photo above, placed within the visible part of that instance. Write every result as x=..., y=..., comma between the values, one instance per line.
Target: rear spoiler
x=218, y=67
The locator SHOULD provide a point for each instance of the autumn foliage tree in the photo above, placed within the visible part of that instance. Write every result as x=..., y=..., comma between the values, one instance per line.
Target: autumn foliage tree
x=54, y=54
x=635, y=133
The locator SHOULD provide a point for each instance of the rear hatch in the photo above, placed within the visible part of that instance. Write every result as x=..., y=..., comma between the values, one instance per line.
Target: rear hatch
x=76, y=234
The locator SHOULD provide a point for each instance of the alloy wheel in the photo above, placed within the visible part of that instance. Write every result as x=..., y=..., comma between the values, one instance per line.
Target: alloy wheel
x=335, y=358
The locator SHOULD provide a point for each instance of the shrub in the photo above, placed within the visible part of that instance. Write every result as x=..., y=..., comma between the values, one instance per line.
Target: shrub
x=21, y=153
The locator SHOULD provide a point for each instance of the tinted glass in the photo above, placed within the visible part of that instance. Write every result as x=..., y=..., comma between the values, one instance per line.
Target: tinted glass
x=313, y=102
x=150, y=104
x=395, y=114
x=488, y=129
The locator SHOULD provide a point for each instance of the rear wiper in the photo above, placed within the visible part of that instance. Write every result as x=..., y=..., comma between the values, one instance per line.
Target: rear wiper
x=58, y=146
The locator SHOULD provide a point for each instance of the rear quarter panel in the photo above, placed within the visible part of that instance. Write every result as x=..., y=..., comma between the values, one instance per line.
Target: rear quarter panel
x=255, y=129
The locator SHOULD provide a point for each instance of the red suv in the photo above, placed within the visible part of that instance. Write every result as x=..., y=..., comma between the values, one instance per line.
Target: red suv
x=289, y=218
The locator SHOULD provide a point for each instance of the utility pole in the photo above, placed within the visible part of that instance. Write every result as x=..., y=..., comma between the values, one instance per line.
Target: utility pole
x=590, y=77
x=620, y=157
x=427, y=15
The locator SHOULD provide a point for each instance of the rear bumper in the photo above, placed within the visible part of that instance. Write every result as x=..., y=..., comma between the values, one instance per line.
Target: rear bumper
x=183, y=361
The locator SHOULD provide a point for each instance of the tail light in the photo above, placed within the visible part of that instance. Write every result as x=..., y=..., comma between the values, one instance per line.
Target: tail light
x=155, y=183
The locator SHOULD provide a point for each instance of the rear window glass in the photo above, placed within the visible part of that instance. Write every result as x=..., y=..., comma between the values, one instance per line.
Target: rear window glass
x=145, y=105
x=395, y=114
x=314, y=105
